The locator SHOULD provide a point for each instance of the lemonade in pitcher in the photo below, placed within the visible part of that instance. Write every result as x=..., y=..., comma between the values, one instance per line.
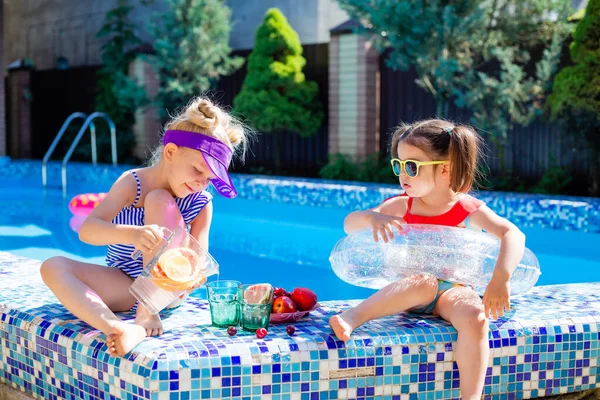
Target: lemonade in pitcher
x=179, y=264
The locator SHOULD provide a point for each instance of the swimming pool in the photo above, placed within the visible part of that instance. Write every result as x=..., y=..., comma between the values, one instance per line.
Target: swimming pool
x=253, y=241
x=258, y=240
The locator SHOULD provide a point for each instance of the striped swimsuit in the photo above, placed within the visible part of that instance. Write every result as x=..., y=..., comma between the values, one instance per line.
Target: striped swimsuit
x=119, y=255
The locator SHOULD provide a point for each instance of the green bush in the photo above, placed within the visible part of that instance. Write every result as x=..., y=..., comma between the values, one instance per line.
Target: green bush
x=555, y=180
x=507, y=181
x=339, y=167
x=119, y=96
x=373, y=169
x=575, y=98
x=191, y=41
x=275, y=95
x=475, y=54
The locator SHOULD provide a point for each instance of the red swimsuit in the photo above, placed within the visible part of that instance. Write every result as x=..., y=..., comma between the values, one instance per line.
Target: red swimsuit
x=459, y=212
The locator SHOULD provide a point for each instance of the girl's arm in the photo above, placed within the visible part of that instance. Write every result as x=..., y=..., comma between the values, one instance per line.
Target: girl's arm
x=201, y=225
x=496, y=298
x=380, y=219
x=97, y=228
x=358, y=220
x=512, y=240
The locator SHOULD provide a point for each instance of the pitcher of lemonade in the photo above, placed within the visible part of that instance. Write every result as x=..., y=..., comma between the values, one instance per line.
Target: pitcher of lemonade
x=176, y=266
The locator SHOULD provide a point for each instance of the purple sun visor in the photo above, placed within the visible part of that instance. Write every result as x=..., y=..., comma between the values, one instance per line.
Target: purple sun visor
x=216, y=154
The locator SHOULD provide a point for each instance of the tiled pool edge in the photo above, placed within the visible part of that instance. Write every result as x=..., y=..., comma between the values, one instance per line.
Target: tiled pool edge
x=525, y=210
x=549, y=346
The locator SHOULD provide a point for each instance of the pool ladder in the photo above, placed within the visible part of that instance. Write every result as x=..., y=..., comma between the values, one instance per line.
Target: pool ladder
x=88, y=121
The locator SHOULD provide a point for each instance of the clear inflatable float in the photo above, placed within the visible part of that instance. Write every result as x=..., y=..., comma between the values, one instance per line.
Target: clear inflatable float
x=453, y=254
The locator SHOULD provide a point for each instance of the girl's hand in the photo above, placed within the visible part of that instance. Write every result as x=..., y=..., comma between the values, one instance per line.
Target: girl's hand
x=147, y=237
x=496, y=299
x=383, y=225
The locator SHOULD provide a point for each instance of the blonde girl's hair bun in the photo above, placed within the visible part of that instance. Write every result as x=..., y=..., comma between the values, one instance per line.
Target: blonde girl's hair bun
x=203, y=113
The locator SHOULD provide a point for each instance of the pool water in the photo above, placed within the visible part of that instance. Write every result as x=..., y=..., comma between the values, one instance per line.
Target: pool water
x=257, y=241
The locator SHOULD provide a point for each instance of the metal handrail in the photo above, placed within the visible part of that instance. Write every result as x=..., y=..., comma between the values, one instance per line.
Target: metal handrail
x=57, y=138
x=89, y=122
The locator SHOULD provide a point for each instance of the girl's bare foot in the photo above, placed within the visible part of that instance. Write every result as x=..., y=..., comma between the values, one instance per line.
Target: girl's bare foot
x=341, y=326
x=124, y=338
x=150, y=322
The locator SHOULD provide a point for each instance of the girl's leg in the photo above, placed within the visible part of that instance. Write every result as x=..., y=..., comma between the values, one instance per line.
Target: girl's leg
x=463, y=308
x=159, y=209
x=407, y=293
x=92, y=292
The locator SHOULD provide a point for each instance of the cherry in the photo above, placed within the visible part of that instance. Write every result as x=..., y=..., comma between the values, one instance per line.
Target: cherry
x=290, y=329
x=231, y=331
x=261, y=333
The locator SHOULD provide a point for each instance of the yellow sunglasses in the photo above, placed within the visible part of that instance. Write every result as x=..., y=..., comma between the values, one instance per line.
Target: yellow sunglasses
x=411, y=167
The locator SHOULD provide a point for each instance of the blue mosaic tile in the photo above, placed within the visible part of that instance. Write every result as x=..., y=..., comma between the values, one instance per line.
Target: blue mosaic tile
x=547, y=345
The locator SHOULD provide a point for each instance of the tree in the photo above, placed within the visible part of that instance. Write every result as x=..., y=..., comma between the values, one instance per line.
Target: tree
x=473, y=52
x=275, y=95
x=119, y=96
x=575, y=98
x=192, y=50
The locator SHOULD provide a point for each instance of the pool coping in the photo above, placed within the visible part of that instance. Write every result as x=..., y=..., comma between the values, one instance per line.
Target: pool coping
x=44, y=349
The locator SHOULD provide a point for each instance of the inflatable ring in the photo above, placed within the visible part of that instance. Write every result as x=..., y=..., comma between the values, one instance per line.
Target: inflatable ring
x=456, y=255
x=83, y=204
